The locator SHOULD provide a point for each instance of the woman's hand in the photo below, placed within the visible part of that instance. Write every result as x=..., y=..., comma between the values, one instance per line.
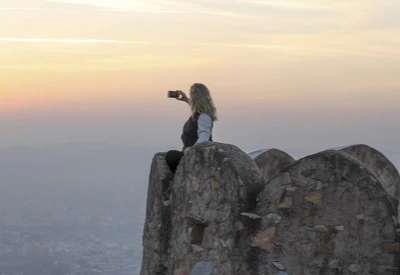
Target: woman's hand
x=182, y=97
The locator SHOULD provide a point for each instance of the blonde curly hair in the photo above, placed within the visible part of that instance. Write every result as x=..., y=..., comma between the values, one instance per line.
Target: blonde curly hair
x=201, y=101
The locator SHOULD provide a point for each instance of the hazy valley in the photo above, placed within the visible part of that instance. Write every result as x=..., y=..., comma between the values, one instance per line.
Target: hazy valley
x=76, y=208
x=72, y=208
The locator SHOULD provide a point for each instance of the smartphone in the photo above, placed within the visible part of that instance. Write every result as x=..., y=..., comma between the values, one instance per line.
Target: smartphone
x=173, y=94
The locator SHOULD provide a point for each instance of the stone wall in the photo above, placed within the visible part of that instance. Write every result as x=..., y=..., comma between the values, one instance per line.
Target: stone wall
x=224, y=213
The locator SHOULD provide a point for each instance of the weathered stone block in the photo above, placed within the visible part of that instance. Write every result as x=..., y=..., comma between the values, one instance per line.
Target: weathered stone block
x=271, y=162
x=320, y=229
x=207, y=201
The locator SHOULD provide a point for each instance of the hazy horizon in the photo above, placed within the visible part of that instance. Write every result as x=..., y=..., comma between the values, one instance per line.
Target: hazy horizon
x=285, y=74
x=145, y=154
x=84, y=107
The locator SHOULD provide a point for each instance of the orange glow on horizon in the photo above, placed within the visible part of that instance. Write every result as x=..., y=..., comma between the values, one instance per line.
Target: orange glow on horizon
x=262, y=51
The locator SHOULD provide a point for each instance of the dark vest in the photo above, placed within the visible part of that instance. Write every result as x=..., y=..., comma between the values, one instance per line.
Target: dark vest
x=189, y=135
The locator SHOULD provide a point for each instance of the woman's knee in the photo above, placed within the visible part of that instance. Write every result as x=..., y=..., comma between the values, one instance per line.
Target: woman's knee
x=173, y=158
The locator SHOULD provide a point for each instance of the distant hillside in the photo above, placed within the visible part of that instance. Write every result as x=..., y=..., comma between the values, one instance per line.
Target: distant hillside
x=75, y=207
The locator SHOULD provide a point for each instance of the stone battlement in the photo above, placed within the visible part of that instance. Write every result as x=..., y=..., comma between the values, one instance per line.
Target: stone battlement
x=334, y=212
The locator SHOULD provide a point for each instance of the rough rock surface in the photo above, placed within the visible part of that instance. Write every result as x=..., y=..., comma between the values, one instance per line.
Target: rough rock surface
x=383, y=168
x=271, y=162
x=334, y=218
x=215, y=184
x=328, y=213
x=158, y=219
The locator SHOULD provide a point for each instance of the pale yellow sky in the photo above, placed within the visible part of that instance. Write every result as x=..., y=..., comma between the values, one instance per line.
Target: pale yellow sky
x=119, y=57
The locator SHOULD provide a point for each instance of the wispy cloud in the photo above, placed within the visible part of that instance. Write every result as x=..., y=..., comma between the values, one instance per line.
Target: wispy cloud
x=210, y=12
x=109, y=4
x=297, y=5
x=54, y=40
x=252, y=46
x=128, y=8
x=29, y=9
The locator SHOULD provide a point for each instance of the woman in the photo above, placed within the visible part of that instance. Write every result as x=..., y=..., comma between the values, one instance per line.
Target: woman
x=198, y=128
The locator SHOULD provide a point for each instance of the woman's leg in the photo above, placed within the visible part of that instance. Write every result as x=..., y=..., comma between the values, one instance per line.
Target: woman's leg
x=173, y=158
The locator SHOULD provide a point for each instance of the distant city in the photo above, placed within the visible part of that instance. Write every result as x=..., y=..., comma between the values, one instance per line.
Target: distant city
x=72, y=209
x=75, y=208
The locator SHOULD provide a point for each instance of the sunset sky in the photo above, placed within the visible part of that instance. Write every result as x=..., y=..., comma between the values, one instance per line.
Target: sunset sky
x=289, y=74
